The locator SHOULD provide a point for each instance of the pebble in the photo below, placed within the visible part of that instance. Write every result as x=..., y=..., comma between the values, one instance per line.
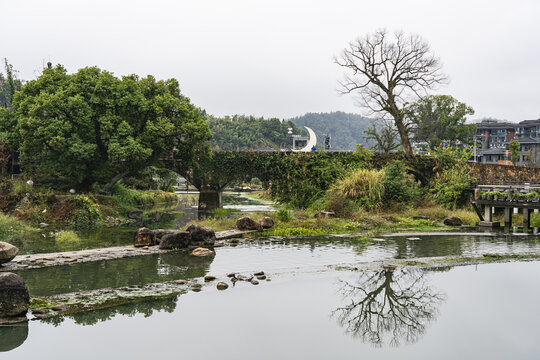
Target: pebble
x=259, y=273
x=261, y=277
x=209, y=277
x=222, y=286
x=196, y=289
x=231, y=275
x=254, y=282
x=181, y=282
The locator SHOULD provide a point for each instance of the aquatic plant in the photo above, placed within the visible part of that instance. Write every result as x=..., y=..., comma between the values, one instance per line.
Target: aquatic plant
x=67, y=236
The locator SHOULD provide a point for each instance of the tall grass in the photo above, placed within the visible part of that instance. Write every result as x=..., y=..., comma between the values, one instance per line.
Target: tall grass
x=364, y=186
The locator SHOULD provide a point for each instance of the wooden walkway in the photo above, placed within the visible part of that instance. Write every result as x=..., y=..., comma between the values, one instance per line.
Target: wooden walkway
x=524, y=198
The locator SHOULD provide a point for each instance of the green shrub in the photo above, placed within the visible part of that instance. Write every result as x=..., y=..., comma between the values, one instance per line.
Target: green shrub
x=284, y=215
x=453, y=179
x=397, y=186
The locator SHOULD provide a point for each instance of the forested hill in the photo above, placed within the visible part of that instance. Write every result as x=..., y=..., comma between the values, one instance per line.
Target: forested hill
x=241, y=132
x=346, y=130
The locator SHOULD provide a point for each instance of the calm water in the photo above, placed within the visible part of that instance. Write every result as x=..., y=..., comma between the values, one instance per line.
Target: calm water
x=272, y=256
x=476, y=312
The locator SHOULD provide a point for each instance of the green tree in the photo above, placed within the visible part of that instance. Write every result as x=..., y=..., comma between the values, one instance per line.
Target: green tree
x=241, y=132
x=92, y=127
x=515, y=148
x=440, y=117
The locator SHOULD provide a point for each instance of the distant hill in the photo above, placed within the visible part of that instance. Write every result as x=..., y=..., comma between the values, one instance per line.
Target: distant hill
x=241, y=132
x=346, y=130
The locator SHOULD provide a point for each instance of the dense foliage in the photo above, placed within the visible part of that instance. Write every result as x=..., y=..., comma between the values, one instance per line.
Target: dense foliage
x=453, y=178
x=250, y=133
x=345, y=130
x=397, y=185
x=440, y=117
x=94, y=128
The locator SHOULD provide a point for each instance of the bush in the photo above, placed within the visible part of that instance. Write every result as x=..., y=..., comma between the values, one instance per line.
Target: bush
x=453, y=179
x=284, y=215
x=397, y=186
x=364, y=186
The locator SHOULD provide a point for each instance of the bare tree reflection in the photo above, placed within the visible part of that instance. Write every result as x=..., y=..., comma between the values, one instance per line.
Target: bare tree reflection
x=389, y=306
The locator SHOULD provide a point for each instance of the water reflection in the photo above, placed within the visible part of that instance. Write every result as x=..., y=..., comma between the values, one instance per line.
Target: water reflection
x=13, y=336
x=147, y=308
x=114, y=273
x=388, y=307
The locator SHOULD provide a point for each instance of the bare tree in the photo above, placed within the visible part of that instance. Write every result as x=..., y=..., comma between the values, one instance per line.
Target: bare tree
x=388, y=306
x=387, y=72
x=385, y=137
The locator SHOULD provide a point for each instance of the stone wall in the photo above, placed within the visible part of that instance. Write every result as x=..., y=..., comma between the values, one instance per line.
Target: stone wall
x=505, y=174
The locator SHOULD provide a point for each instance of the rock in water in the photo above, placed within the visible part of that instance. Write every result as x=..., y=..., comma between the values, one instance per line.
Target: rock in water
x=222, y=286
x=7, y=252
x=202, y=235
x=176, y=240
x=266, y=222
x=202, y=252
x=209, y=277
x=453, y=221
x=14, y=298
x=247, y=223
x=144, y=237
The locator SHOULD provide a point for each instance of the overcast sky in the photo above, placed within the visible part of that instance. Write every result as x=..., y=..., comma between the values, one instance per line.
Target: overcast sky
x=275, y=57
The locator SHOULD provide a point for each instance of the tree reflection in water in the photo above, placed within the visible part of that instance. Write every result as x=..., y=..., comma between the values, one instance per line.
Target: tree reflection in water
x=389, y=306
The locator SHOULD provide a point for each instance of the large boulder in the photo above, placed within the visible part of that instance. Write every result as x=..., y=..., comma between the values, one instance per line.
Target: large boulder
x=202, y=235
x=247, y=223
x=14, y=298
x=144, y=237
x=266, y=222
x=7, y=252
x=453, y=221
x=176, y=240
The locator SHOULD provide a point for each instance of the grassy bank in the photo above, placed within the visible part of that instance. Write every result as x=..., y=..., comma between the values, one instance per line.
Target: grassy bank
x=303, y=222
x=24, y=204
x=10, y=225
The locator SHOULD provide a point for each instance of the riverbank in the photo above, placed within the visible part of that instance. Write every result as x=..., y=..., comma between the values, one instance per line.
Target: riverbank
x=25, y=208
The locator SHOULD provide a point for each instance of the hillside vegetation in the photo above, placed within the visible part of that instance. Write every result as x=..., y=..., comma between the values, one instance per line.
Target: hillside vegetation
x=346, y=130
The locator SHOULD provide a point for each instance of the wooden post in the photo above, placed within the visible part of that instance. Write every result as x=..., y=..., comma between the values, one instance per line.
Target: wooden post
x=507, y=217
x=526, y=218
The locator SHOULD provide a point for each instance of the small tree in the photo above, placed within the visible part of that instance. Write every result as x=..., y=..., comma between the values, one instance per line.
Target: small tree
x=387, y=72
x=515, y=148
x=385, y=137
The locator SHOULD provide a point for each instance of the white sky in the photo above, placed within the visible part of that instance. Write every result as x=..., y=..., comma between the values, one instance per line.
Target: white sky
x=274, y=57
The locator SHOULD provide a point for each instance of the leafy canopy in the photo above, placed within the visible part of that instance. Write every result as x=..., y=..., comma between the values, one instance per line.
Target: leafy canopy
x=440, y=117
x=91, y=126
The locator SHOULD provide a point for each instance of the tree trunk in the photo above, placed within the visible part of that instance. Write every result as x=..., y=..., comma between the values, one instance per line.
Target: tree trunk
x=108, y=187
x=404, y=135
